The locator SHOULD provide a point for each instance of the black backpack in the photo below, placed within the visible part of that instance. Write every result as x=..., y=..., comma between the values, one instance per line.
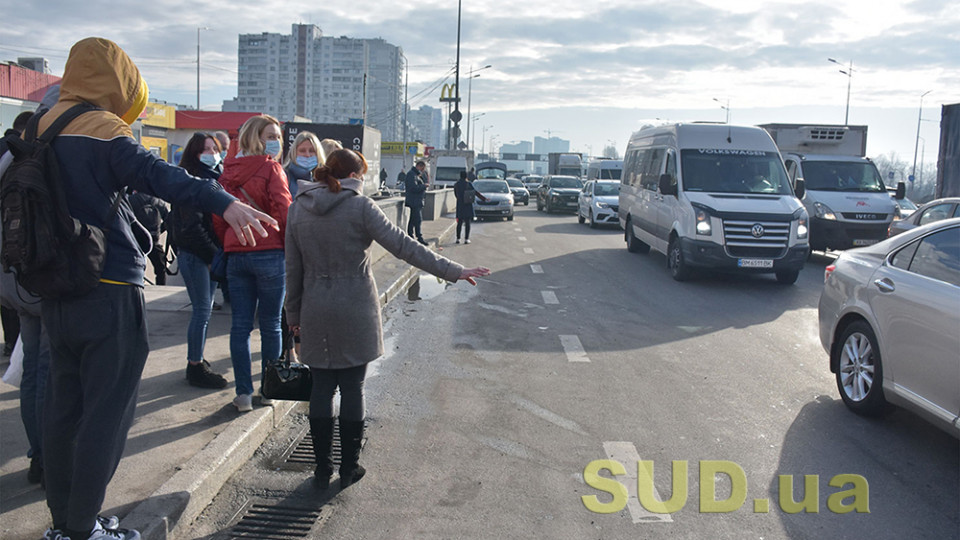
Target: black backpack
x=52, y=254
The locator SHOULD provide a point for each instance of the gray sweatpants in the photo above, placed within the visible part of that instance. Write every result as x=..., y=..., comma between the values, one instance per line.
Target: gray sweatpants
x=98, y=347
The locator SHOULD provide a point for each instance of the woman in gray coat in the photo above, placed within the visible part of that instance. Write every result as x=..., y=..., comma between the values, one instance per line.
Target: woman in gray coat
x=332, y=300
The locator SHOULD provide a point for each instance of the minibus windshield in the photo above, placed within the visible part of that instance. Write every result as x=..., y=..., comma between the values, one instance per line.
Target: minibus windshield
x=734, y=171
x=856, y=176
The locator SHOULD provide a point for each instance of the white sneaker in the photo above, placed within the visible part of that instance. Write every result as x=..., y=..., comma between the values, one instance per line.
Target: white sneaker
x=111, y=522
x=467, y=241
x=243, y=402
x=99, y=533
x=265, y=400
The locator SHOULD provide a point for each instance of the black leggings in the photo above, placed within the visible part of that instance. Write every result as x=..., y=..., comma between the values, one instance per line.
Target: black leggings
x=464, y=223
x=350, y=382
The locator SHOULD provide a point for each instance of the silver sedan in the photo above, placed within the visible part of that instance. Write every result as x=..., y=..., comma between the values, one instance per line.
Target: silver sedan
x=890, y=321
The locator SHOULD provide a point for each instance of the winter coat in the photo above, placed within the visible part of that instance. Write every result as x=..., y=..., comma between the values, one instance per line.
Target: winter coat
x=294, y=173
x=191, y=229
x=150, y=212
x=414, y=188
x=98, y=156
x=331, y=292
x=263, y=179
x=464, y=192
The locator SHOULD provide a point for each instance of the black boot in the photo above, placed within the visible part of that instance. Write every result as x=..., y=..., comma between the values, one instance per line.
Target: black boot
x=321, y=430
x=351, y=435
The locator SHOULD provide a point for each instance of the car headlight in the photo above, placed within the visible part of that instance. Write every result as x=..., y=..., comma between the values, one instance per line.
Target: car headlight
x=802, y=228
x=704, y=227
x=822, y=211
x=601, y=204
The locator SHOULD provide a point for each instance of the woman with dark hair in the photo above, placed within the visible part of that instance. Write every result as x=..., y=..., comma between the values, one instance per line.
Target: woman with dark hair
x=191, y=230
x=332, y=299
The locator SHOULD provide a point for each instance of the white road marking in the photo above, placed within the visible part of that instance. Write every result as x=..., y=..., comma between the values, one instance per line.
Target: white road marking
x=536, y=268
x=549, y=416
x=549, y=297
x=574, y=349
x=518, y=229
x=626, y=453
x=522, y=238
x=528, y=251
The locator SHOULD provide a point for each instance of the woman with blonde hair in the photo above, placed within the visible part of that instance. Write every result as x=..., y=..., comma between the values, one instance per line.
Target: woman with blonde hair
x=255, y=274
x=330, y=146
x=304, y=156
x=332, y=299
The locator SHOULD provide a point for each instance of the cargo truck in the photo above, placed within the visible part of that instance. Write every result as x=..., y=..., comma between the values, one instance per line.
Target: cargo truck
x=843, y=192
x=565, y=164
x=446, y=165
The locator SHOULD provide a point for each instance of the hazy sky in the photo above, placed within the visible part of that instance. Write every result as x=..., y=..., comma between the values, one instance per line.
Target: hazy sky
x=590, y=72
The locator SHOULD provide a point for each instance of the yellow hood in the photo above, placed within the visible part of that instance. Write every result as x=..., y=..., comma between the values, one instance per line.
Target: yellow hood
x=99, y=72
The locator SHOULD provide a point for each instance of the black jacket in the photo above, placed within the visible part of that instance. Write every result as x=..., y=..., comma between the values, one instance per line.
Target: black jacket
x=414, y=189
x=191, y=229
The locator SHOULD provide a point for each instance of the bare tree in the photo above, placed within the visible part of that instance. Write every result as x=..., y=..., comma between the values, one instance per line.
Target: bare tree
x=611, y=152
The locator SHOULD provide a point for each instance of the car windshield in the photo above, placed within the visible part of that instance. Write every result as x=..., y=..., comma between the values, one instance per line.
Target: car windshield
x=603, y=190
x=565, y=182
x=734, y=171
x=491, y=186
x=491, y=173
x=842, y=176
x=905, y=204
x=610, y=174
x=514, y=182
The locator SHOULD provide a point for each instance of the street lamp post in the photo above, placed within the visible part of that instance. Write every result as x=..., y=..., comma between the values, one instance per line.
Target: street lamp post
x=849, y=74
x=917, y=143
x=725, y=107
x=474, y=119
x=471, y=77
x=456, y=102
x=406, y=82
x=199, y=28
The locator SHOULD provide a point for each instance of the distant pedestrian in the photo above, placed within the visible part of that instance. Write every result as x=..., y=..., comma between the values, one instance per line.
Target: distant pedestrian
x=224, y=139
x=98, y=340
x=383, y=179
x=465, y=194
x=472, y=175
x=304, y=156
x=255, y=272
x=400, y=178
x=414, y=189
x=192, y=233
x=332, y=299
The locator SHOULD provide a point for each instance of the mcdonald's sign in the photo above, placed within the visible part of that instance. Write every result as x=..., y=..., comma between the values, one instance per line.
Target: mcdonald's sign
x=448, y=94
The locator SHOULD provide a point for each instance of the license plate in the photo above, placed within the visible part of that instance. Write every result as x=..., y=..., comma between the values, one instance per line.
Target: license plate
x=865, y=242
x=571, y=204
x=755, y=263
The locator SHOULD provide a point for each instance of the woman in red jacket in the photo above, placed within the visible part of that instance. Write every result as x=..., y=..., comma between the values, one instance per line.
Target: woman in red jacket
x=255, y=274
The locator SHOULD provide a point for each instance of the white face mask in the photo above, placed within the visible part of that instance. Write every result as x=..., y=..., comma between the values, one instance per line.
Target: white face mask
x=210, y=160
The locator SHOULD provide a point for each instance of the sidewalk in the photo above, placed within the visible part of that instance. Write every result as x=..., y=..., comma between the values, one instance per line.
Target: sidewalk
x=185, y=442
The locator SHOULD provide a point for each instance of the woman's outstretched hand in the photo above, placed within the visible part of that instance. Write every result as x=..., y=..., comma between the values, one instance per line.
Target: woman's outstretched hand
x=470, y=273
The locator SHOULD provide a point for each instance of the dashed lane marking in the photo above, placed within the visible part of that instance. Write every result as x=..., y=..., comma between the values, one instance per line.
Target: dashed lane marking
x=549, y=297
x=528, y=251
x=626, y=453
x=536, y=268
x=522, y=238
x=574, y=349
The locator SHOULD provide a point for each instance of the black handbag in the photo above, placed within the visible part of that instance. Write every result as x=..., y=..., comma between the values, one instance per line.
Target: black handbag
x=287, y=381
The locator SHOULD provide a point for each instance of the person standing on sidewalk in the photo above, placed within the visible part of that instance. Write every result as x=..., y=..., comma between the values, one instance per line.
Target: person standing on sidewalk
x=333, y=303
x=191, y=230
x=415, y=190
x=465, y=194
x=255, y=273
x=98, y=340
x=305, y=156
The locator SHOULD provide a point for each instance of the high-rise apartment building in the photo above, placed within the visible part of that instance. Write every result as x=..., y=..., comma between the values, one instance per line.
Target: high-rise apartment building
x=429, y=122
x=553, y=144
x=323, y=79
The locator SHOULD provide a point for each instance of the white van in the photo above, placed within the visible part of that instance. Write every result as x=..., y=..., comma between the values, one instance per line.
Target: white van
x=844, y=193
x=712, y=196
x=605, y=169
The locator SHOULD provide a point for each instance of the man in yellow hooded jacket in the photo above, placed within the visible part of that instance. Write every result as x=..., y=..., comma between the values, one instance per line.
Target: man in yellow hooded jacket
x=98, y=340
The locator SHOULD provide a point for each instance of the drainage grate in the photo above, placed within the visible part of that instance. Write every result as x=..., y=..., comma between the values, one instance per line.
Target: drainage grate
x=299, y=456
x=276, y=522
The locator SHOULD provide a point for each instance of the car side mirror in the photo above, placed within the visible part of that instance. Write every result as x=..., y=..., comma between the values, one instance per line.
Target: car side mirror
x=901, y=191
x=667, y=186
x=799, y=187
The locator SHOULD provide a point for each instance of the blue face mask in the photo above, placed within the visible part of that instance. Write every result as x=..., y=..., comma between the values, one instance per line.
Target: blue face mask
x=210, y=160
x=223, y=155
x=272, y=147
x=309, y=163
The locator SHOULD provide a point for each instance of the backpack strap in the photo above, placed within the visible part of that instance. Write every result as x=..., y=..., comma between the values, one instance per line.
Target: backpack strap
x=61, y=122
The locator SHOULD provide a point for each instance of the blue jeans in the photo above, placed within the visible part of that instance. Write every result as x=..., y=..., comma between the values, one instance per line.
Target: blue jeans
x=196, y=276
x=257, y=284
x=33, y=384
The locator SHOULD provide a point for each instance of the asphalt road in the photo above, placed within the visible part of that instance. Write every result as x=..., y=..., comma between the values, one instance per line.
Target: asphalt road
x=491, y=401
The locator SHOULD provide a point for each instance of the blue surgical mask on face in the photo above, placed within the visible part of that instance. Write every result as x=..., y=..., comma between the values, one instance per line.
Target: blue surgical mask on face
x=309, y=163
x=210, y=160
x=223, y=155
x=272, y=147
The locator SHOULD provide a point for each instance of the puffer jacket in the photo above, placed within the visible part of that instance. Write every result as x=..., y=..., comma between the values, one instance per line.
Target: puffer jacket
x=331, y=292
x=99, y=158
x=263, y=179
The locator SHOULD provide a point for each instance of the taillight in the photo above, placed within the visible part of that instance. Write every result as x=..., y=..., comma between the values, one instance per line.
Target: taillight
x=827, y=271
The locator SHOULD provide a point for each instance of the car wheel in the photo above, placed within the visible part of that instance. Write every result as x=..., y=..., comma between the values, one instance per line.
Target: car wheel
x=509, y=218
x=787, y=277
x=678, y=266
x=593, y=224
x=634, y=244
x=580, y=217
x=859, y=369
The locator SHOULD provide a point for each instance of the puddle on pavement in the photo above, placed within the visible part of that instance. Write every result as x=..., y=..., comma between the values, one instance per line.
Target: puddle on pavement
x=425, y=288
